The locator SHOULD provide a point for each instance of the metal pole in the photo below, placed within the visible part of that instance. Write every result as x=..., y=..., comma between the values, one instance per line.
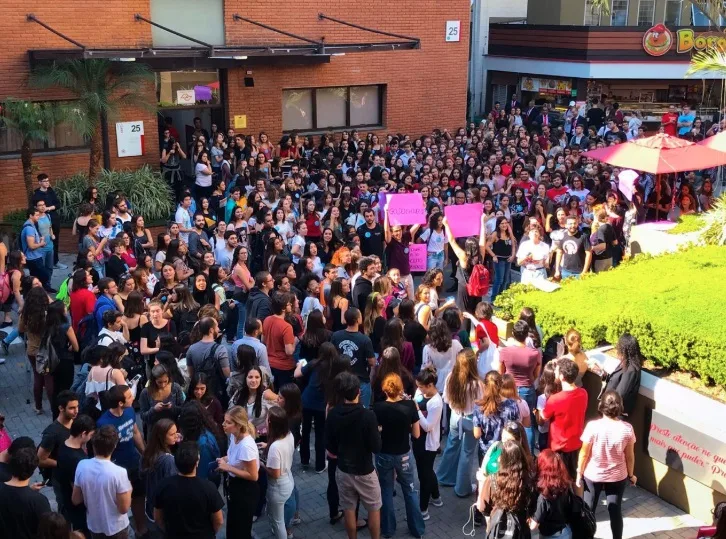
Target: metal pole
x=237, y=17
x=322, y=16
x=32, y=18
x=152, y=23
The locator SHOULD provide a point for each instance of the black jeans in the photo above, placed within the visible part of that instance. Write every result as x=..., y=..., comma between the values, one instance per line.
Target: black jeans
x=614, y=495
x=282, y=377
x=426, y=475
x=55, y=226
x=36, y=268
x=242, y=498
x=332, y=493
x=319, y=418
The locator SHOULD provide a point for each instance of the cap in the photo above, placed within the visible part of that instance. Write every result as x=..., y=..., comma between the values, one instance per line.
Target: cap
x=572, y=103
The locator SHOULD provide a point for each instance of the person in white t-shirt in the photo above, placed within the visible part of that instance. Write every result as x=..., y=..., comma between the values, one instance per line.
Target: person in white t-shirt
x=533, y=257
x=435, y=239
x=279, y=469
x=242, y=464
x=297, y=243
x=103, y=487
x=183, y=218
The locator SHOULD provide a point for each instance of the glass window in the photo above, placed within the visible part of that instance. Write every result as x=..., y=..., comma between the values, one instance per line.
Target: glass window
x=673, y=10
x=646, y=12
x=593, y=15
x=62, y=137
x=310, y=109
x=174, y=88
x=365, y=105
x=297, y=109
x=331, y=106
x=201, y=20
x=619, y=13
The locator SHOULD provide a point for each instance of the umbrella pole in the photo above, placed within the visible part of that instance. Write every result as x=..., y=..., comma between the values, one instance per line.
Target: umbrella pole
x=657, y=196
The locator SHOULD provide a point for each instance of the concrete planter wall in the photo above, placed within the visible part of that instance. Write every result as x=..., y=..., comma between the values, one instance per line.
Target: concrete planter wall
x=504, y=327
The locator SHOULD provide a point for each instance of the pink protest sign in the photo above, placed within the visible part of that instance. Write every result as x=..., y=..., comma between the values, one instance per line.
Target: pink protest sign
x=406, y=209
x=417, y=256
x=464, y=219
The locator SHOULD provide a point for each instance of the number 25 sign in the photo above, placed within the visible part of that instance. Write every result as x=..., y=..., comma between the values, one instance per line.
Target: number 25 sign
x=453, y=31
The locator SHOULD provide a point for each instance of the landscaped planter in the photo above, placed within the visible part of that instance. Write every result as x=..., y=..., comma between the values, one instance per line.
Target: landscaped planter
x=504, y=327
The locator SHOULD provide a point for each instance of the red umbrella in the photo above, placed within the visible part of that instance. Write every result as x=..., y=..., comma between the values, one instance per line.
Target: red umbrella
x=716, y=142
x=659, y=154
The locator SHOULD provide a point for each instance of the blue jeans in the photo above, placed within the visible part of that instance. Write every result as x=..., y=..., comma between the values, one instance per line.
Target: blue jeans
x=365, y=394
x=292, y=506
x=241, y=319
x=529, y=395
x=565, y=533
x=502, y=277
x=36, y=267
x=11, y=336
x=566, y=274
x=457, y=466
x=48, y=260
x=402, y=467
x=435, y=260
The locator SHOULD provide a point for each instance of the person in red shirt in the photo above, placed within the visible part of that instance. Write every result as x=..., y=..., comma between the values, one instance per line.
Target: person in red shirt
x=278, y=336
x=482, y=325
x=669, y=121
x=558, y=193
x=528, y=186
x=83, y=300
x=566, y=413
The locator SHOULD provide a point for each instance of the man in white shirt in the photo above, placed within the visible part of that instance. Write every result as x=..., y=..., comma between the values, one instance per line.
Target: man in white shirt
x=114, y=329
x=184, y=218
x=104, y=488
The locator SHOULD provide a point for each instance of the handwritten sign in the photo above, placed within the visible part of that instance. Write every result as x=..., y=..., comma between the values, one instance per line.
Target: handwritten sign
x=417, y=256
x=464, y=219
x=687, y=450
x=185, y=97
x=406, y=209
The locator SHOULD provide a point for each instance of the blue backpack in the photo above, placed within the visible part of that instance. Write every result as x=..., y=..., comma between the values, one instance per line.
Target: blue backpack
x=88, y=330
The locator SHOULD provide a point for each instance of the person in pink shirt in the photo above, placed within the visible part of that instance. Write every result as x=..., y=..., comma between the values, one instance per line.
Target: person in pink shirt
x=607, y=459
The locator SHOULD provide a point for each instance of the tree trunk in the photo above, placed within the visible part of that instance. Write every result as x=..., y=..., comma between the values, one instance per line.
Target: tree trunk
x=26, y=158
x=96, y=154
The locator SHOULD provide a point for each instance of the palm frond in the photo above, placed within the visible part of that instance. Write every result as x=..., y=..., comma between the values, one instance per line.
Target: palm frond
x=33, y=121
x=600, y=6
x=708, y=61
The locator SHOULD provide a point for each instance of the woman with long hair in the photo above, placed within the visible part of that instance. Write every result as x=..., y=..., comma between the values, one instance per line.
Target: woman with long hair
x=202, y=292
x=32, y=323
x=141, y=236
x=470, y=256
x=242, y=465
x=548, y=385
x=607, y=459
x=182, y=309
x=374, y=321
x=502, y=247
x=625, y=379
x=511, y=490
x=199, y=390
x=535, y=336
x=256, y=399
x=435, y=239
x=441, y=351
x=65, y=343
x=393, y=336
x=317, y=373
x=196, y=425
x=390, y=363
x=166, y=284
x=161, y=399
x=462, y=390
x=553, y=486
x=280, y=448
x=316, y=334
x=157, y=463
x=492, y=412
x=162, y=243
x=338, y=303
x=176, y=255
x=398, y=422
x=82, y=299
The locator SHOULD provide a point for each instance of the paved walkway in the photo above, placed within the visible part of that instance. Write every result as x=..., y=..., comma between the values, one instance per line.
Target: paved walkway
x=646, y=515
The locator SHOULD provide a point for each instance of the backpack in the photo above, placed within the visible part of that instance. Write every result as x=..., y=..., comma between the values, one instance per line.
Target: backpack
x=479, y=281
x=210, y=367
x=47, y=358
x=505, y=525
x=6, y=286
x=554, y=347
x=581, y=518
x=18, y=243
x=88, y=331
x=187, y=321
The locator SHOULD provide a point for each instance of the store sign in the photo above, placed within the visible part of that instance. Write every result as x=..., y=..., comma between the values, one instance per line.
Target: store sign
x=659, y=40
x=688, y=451
x=185, y=97
x=546, y=86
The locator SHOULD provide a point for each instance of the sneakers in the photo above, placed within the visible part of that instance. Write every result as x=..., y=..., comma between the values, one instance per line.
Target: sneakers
x=60, y=266
x=295, y=520
x=436, y=502
x=324, y=469
x=5, y=347
x=425, y=515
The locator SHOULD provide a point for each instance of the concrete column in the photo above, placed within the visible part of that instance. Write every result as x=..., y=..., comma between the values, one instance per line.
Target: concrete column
x=477, y=61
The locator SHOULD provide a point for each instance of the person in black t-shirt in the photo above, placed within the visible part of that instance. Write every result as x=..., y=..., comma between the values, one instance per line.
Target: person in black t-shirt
x=573, y=252
x=595, y=116
x=371, y=235
x=20, y=504
x=359, y=348
x=186, y=506
x=70, y=453
x=398, y=421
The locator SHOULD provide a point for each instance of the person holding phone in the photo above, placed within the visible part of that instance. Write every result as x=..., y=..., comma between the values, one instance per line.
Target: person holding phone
x=162, y=399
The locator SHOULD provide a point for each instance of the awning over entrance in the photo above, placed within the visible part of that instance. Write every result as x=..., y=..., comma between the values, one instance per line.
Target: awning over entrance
x=203, y=54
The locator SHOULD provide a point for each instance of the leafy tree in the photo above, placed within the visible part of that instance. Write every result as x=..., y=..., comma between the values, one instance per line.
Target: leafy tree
x=34, y=122
x=101, y=87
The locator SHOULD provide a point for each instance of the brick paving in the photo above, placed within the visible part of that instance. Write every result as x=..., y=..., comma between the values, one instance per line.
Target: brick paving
x=645, y=514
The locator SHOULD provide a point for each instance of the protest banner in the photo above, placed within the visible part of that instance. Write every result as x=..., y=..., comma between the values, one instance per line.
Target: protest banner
x=406, y=209
x=464, y=219
x=626, y=183
x=417, y=256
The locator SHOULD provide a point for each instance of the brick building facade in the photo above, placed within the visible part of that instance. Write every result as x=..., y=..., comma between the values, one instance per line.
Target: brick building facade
x=420, y=88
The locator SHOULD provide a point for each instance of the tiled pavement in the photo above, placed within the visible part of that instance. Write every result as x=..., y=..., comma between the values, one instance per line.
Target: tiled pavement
x=645, y=514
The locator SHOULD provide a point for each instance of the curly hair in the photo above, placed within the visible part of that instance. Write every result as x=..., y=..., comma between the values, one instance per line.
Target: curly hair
x=553, y=479
x=440, y=335
x=35, y=311
x=513, y=483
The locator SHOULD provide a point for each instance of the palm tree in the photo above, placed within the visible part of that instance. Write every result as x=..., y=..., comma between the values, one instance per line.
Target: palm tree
x=101, y=87
x=33, y=122
x=708, y=61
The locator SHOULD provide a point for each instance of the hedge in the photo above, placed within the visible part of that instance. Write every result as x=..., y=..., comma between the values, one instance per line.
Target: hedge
x=674, y=304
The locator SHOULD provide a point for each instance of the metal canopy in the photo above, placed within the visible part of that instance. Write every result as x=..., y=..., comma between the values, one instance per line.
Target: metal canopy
x=204, y=54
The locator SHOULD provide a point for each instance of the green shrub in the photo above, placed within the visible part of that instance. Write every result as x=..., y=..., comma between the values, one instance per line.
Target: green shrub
x=15, y=218
x=715, y=223
x=673, y=304
x=147, y=191
x=688, y=223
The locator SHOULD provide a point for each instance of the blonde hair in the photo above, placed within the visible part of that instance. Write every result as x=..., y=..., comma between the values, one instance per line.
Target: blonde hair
x=573, y=340
x=420, y=291
x=371, y=313
x=383, y=286
x=238, y=416
x=392, y=385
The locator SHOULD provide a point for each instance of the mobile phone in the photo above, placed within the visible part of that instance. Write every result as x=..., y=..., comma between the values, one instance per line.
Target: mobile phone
x=135, y=380
x=303, y=362
x=451, y=298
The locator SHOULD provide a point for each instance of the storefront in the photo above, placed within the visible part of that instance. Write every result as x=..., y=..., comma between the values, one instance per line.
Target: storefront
x=613, y=64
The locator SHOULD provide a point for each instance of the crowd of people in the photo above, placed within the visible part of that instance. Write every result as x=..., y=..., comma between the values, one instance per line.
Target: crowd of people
x=279, y=304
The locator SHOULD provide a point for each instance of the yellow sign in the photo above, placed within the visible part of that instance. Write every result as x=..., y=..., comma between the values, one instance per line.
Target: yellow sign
x=240, y=121
x=689, y=40
x=658, y=40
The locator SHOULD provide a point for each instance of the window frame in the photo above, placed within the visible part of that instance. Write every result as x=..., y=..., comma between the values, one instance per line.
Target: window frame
x=612, y=12
x=680, y=12
x=314, y=109
x=652, y=17
x=589, y=11
x=46, y=149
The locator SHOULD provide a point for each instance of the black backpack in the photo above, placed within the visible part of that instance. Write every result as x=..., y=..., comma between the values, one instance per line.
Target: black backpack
x=505, y=525
x=581, y=518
